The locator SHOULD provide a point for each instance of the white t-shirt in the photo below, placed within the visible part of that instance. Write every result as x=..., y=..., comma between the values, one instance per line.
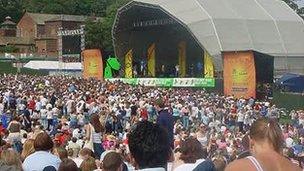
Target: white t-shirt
x=38, y=106
x=189, y=166
x=240, y=117
x=78, y=161
x=49, y=114
x=43, y=101
x=128, y=112
x=1, y=108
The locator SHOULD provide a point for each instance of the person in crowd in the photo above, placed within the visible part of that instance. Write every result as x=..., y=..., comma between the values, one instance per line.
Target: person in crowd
x=266, y=149
x=149, y=146
x=61, y=152
x=112, y=162
x=94, y=134
x=28, y=149
x=73, y=105
x=88, y=164
x=74, y=146
x=192, y=154
x=42, y=157
x=11, y=158
x=165, y=119
x=68, y=165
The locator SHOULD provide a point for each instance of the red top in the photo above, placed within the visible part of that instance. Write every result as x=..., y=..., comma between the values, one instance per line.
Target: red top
x=31, y=104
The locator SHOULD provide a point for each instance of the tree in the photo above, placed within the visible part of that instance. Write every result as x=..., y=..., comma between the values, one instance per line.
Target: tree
x=12, y=8
x=102, y=37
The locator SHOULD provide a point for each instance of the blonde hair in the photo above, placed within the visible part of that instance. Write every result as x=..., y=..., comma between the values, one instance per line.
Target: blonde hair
x=11, y=158
x=28, y=149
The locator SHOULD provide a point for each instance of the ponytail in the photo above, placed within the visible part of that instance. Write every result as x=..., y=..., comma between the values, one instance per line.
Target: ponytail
x=267, y=130
x=274, y=135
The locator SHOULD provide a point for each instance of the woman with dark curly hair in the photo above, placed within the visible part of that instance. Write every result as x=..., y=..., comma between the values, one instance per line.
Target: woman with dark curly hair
x=192, y=154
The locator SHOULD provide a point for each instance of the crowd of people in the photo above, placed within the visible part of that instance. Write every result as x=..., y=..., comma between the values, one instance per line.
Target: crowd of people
x=67, y=123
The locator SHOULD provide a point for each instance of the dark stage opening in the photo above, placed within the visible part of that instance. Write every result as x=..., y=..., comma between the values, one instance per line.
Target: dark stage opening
x=264, y=66
x=139, y=27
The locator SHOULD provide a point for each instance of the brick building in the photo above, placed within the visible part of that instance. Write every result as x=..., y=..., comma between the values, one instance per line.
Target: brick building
x=8, y=37
x=42, y=28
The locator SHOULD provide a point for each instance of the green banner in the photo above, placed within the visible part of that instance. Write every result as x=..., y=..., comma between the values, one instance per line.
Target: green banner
x=168, y=82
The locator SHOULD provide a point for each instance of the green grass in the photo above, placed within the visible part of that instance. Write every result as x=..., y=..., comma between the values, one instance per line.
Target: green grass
x=288, y=101
x=7, y=67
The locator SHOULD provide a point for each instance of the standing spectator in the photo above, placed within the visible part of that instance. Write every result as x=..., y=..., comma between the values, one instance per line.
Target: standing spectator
x=42, y=157
x=192, y=154
x=49, y=116
x=11, y=158
x=94, y=133
x=165, y=119
x=68, y=165
x=240, y=119
x=88, y=164
x=266, y=149
x=149, y=146
x=28, y=149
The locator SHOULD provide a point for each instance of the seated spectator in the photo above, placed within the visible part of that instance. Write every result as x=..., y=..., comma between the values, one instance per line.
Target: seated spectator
x=68, y=165
x=42, y=157
x=149, y=146
x=192, y=154
x=11, y=158
x=266, y=149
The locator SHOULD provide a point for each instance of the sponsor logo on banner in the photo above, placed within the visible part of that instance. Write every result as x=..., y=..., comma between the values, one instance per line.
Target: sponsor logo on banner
x=168, y=82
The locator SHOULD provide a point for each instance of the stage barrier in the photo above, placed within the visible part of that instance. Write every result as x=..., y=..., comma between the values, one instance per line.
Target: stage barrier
x=168, y=82
x=92, y=64
x=239, y=74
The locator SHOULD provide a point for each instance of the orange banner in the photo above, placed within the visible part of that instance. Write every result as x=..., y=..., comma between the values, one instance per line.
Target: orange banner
x=92, y=64
x=239, y=74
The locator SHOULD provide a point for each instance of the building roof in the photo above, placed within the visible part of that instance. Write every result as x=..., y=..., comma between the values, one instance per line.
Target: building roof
x=42, y=18
x=15, y=41
x=267, y=26
x=53, y=65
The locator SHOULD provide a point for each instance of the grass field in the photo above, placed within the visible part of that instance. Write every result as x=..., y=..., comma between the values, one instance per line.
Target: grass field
x=7, y=67
x=289, y=101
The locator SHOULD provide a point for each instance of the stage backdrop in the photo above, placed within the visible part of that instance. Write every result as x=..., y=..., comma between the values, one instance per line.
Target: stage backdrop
x=239, y=74
x=92, y=64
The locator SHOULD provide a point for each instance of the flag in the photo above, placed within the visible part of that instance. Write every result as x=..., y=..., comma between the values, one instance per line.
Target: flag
x=129, y=64
x=151, y=60
x=182, y=58
x=208, y=65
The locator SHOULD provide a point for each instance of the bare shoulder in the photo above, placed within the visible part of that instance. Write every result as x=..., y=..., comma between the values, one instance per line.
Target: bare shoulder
x=288, y=165
x=241, y=164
